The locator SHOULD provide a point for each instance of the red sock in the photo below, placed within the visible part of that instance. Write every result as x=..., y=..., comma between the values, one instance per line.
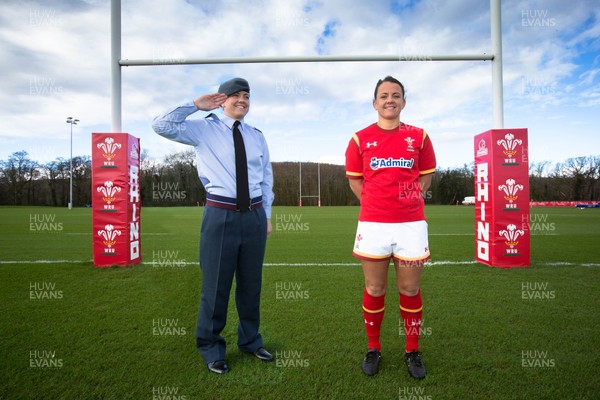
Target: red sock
x=411, y=312
x=373, y=309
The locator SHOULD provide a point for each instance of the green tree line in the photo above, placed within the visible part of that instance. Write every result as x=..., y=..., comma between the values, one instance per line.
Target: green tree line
x=173, y=181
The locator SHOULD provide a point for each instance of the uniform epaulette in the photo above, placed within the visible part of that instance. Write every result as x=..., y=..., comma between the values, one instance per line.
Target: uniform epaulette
x=212, y=116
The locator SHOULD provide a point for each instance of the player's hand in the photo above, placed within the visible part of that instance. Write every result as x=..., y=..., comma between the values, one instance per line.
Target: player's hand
x=269, y=228
x=209, y=102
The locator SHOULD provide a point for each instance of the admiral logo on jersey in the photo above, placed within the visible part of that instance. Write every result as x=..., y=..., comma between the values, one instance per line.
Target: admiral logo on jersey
x=390, y=162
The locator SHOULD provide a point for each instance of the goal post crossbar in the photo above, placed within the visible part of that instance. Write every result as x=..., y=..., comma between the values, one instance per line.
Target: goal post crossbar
x=305, y=59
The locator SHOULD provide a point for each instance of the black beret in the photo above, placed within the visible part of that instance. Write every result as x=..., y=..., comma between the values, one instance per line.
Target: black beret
x=233, y=86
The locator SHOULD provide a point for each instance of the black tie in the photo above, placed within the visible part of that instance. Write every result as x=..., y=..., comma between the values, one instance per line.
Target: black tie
x=241, y=169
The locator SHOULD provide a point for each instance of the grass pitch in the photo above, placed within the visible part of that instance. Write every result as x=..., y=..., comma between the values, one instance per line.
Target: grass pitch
x=69, y=330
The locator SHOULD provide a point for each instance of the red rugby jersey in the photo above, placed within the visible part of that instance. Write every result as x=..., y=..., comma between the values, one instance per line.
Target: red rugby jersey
x=390, y=163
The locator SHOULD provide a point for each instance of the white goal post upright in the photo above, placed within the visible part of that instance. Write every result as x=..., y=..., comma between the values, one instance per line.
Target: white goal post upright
x=318, y=196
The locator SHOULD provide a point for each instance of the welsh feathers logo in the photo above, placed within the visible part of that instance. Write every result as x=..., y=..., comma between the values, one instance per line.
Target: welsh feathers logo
x=509, y=143
x=109, y=148
x=409, y=141
x=109, y=190
x=109, y=234
x=510, y=189
x=511, y=235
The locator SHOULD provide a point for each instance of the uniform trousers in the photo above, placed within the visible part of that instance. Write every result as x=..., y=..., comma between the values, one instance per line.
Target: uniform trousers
x=232, y=244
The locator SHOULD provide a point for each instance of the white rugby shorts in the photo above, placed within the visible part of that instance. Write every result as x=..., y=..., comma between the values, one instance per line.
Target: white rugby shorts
x=404, y=241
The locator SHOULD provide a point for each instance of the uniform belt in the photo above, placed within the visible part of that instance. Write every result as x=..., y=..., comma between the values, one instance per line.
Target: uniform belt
x=229, y=203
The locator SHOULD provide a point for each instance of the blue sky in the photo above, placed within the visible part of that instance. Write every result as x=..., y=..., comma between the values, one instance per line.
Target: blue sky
x=55, y=63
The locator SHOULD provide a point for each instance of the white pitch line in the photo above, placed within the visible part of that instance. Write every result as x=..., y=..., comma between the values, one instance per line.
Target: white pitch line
x=282, y=264
x=145, y=234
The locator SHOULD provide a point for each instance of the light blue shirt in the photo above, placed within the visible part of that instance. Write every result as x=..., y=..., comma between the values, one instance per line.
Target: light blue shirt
x=212, y=138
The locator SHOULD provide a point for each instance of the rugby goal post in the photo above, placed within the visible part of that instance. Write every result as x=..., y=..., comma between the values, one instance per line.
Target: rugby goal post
x=495, y=57
x=318, y=195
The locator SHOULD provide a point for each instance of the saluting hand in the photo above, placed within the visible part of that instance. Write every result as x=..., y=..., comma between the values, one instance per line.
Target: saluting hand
x=209, y=102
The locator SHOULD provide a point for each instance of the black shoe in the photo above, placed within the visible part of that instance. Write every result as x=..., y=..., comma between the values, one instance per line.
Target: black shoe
x=218, y=367
x=370, y=364
x=416, y=369
x=263, y=354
